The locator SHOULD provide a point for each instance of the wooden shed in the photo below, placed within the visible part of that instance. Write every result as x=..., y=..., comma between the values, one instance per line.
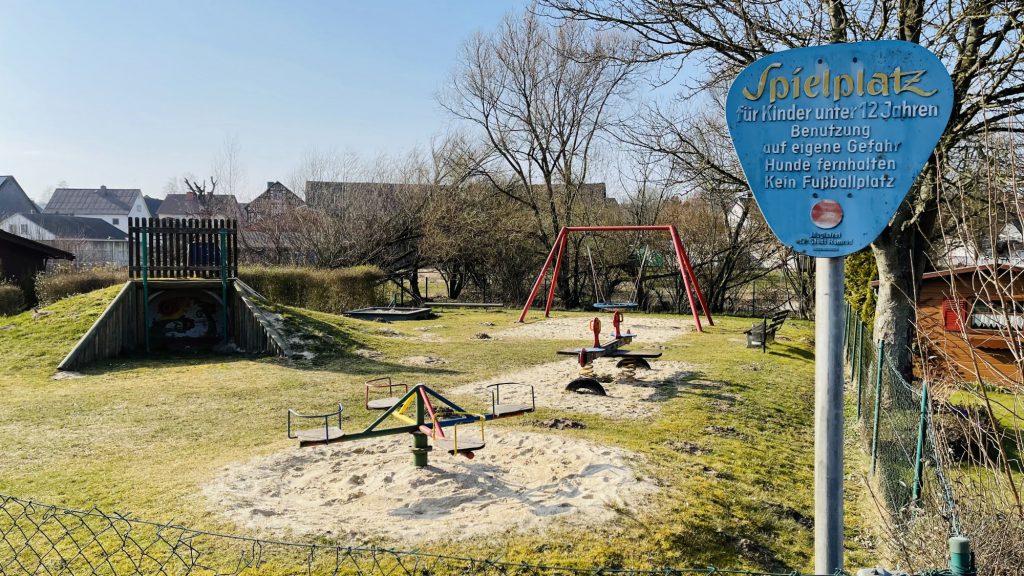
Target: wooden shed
x=21, y=259
x=971, y=321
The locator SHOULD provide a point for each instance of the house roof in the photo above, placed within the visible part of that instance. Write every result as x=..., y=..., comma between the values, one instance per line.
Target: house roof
x=322, y=194
x=45, y=250
x=13, y=198
x=76, y=227
x=963, y=270
x=277, y=198
x=153, y=204
x=178, y=205
x=329, y=193
x=96, y=201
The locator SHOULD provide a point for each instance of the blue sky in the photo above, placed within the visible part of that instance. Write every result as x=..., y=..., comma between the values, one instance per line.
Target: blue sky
x=129, y=94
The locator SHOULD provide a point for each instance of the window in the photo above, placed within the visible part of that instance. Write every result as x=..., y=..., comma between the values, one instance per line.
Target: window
x=24, y=229
x=13, y=228
x=993, y=316
x=115, y=221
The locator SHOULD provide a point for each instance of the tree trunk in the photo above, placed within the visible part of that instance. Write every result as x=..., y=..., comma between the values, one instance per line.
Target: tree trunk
x=901, y=254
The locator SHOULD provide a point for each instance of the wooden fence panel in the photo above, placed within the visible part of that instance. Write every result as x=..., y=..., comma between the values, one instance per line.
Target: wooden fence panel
x=189, y=248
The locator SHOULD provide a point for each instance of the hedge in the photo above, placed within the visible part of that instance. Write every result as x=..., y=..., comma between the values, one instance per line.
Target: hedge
x=333, y=291
x=12, y=299
x=61, y=283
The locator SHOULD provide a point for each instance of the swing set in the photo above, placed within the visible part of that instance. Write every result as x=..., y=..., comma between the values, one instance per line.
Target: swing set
x=604, y=304
x=558, y=250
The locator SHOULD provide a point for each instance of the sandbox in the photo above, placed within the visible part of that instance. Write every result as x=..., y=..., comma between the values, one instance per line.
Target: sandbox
x=649, y=330
x=626, y=399
x=369, y=489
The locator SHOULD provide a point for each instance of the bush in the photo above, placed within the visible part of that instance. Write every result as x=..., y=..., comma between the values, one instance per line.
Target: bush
x=12, y=299
x=62, y=282
x=333, y=291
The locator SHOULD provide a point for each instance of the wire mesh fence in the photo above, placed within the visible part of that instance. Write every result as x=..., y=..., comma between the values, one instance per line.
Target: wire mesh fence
x=45, y=539
x=897, y=421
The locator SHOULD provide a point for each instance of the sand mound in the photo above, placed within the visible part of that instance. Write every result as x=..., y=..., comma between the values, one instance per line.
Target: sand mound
x=625, y=399
x=370, y=489
x=648, y=330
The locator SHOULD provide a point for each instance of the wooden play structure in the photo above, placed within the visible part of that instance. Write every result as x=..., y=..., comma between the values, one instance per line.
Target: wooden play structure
x=558, y=250
x=629, y=360
x=416, y=414
x=183, y=293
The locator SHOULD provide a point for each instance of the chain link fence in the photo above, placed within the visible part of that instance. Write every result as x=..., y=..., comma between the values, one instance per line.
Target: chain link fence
x=44, y=539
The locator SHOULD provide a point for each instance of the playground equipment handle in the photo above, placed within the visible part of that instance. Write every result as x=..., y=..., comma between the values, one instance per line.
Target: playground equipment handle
x=595, y=327
x=616, y=322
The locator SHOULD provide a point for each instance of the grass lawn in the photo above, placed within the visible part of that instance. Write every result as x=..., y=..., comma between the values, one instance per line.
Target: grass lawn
x=143, y=435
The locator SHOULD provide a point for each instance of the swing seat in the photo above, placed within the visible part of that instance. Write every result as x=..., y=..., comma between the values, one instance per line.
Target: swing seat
x=381, y=403
x=464, y=446
x=615, y=305
x=315, y=436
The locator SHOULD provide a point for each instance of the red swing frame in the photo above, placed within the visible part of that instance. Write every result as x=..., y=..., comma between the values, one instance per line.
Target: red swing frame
x=558, y=249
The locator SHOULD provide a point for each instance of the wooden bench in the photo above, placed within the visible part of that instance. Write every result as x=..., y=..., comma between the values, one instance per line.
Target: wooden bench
x=759, y=335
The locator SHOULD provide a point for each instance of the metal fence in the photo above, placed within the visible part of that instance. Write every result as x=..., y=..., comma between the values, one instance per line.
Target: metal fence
x=44, y=539
x=897, y=421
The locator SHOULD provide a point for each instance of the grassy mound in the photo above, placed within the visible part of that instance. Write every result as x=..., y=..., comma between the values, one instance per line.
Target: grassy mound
x=731, y=449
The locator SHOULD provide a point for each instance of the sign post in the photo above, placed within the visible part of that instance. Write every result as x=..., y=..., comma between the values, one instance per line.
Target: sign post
x=831, y=139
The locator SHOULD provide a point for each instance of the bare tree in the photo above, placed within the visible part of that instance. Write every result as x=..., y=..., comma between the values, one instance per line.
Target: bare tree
x=539, y=97
x=227, y=168
x=978, y=40
x=205, y=202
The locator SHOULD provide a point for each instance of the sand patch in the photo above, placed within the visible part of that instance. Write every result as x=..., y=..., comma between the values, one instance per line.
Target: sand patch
x=423, y=361
x=625, y=400
x=648, y=330
x=369, y=489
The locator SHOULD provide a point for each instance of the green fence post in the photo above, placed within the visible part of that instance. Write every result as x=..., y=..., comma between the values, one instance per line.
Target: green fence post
x=860, y=356
x=919, y=456
x=961, y=559
x=846, y=331
x=224, y=279
x=878, y=404
x=144, y=233
x=856, y=346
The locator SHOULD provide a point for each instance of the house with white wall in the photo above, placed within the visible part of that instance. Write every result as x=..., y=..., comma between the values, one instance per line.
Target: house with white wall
x=112, y=205
x=91, y=240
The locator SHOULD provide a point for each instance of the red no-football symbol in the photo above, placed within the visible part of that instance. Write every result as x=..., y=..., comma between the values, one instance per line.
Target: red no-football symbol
x=827, y=214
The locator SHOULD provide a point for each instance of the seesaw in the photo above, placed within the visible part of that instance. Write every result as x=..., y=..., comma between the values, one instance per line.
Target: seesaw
x=416, y=414
x=629, y=360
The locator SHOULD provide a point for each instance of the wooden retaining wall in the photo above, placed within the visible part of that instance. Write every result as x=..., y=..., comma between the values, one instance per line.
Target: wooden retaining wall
x=252, y=329
x=119, y=330
x=116, y=331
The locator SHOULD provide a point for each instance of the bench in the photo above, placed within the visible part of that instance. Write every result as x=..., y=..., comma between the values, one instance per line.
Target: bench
x=759, y=335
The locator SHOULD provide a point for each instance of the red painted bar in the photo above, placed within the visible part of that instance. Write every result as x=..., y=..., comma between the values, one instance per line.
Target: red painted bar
x=678, y=246
x=564, y=237
x=540, y=277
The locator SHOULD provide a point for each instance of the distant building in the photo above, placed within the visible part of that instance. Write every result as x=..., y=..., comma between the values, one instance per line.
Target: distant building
x=336, y=196
x=153, y=204
x=21, y=259
x=188, y=205
x=970, y=321
x=275, y=201
x=91, y=240
x=112, y=205
x=13, y=199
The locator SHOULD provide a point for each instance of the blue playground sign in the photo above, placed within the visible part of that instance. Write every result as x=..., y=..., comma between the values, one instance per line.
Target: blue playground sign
x=832, y=137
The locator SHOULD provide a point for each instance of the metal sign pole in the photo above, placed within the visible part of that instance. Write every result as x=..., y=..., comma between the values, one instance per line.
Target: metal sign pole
x=828, y=415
